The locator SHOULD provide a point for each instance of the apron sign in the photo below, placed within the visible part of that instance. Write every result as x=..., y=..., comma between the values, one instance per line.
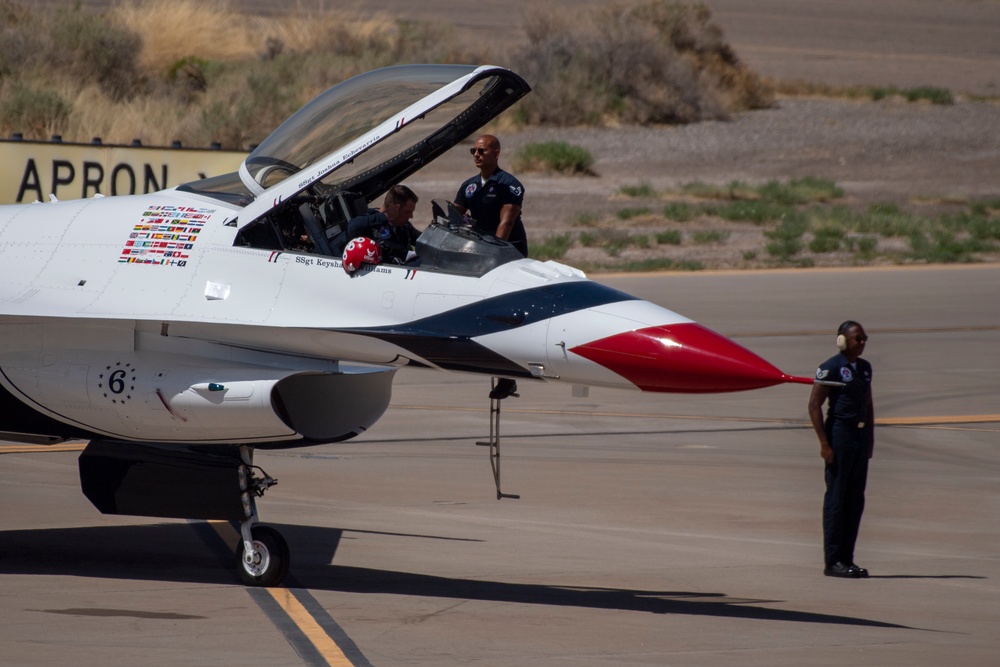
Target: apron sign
x=33, y=170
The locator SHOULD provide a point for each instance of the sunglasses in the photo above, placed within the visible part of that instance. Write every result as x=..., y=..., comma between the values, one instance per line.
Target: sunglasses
x=478, y=151
x=861, y=339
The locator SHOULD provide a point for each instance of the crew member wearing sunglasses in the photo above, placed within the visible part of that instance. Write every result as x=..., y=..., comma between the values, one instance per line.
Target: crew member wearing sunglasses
x=493, y=197
x=846, y=442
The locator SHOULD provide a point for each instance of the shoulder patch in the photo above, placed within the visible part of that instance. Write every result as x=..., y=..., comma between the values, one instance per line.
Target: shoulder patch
x=516, y=190
x=821, y=373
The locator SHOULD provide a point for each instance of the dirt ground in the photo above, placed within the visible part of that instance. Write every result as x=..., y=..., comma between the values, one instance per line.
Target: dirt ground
x=916, y=155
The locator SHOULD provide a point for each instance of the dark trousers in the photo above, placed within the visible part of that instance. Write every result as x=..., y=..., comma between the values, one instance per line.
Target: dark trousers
x=844, y=501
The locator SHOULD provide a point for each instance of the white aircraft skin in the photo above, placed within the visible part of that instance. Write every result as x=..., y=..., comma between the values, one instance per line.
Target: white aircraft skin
x=149, y=323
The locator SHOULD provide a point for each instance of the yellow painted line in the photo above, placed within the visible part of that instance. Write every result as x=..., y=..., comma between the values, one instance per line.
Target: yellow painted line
x=591, y=413
x=912, y=330
x=309, y=627
x=37, y=449
x=296, y=612
x=935, y=427
x=881, y=421
x=226, y=532
x=893, y=268
x=949, y=419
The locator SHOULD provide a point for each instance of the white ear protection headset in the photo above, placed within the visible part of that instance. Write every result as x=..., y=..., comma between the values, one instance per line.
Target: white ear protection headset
x=841, y=330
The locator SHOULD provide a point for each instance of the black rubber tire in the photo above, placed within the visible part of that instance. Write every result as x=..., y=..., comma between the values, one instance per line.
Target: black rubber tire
x=275, y=556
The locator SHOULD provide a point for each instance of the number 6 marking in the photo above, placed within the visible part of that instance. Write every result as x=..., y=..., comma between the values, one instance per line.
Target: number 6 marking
x=116, y=383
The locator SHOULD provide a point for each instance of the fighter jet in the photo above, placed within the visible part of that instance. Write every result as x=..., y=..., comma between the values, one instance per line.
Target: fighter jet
x=179, y=331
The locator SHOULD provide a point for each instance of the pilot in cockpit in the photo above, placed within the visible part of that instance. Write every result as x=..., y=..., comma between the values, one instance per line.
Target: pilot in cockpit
x=390, y=225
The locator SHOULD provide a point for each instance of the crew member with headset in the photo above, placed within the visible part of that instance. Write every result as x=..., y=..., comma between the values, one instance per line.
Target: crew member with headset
x=493, y=196
x=846, y=442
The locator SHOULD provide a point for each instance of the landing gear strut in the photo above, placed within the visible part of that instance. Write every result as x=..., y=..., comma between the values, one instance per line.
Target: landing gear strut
x=502, y=388
x=263, y=556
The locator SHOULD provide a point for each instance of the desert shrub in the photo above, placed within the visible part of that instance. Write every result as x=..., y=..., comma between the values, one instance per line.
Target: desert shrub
x=784, y=248
x=20, y=39
x=786, y=239
x=612, y=240
x=660, y=264
x=657, y=62
x=833, y=216
x=679, y=211
x=864, y=247
x=617, y=241
x=889, y=220
x=981, y=227
x=197, y=62
x=34, y=113
x=552, y=247
x=929, y=93
x=942, y=247
x=190, y=74
x=644, y=190
x=709, y=236
x=669, y=237
x=91, y=48
x=734, y=190
x=554, y=156
x=758, y=212
x=800, y=191
x=826, y=239
x=632, y=212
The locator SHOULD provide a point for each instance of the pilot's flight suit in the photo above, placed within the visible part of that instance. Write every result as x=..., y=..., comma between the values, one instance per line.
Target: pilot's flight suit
x=394, y=242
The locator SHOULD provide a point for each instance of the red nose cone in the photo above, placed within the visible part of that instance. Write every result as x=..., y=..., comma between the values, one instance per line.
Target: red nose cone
x=683, y=358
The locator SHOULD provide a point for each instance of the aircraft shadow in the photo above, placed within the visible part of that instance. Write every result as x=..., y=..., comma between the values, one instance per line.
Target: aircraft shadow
x=195, y=553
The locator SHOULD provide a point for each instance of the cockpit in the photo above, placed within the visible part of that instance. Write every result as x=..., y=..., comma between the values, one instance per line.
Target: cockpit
x=342, y=151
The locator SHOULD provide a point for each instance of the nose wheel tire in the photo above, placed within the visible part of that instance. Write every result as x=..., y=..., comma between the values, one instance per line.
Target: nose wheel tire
x=267, y=564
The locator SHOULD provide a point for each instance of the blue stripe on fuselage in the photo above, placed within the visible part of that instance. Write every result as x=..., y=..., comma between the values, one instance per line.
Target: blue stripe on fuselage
x=445, y=339
x=507, y=311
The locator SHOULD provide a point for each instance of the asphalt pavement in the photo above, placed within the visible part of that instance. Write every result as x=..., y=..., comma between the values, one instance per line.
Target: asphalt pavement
x=651, y=529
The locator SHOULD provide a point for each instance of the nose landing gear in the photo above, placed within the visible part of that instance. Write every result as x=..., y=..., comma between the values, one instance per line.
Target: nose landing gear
x=263, y=555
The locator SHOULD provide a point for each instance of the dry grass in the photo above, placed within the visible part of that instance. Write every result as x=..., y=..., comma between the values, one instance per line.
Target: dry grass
x=215, y=30
x=203, y=72
x=175, y=29
x=655, y=62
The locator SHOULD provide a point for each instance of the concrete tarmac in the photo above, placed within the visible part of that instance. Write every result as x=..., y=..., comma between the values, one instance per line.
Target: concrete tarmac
x=651, y=529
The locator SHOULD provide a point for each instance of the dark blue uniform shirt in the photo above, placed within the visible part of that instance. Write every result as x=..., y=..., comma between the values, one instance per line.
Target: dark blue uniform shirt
x=484, y=201
x=850, y=402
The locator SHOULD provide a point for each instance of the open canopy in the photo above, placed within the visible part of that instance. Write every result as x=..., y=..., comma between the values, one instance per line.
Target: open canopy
x=347, y=147
x=370, y=132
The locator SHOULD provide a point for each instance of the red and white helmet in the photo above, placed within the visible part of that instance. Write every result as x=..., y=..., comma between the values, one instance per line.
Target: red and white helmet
x=361, y=250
